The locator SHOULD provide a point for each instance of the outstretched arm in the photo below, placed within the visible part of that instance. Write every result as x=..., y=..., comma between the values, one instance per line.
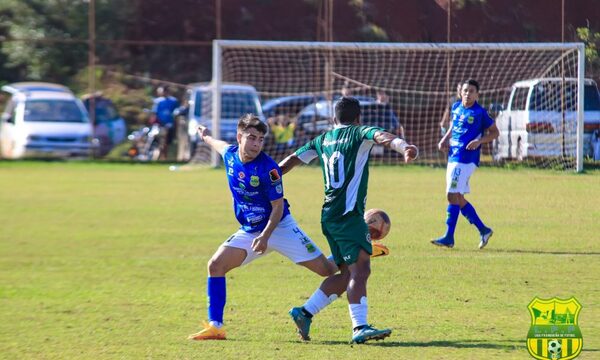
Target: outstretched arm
x=218, y=145
x=410, y=152
x=443, y=144
x=289, y=163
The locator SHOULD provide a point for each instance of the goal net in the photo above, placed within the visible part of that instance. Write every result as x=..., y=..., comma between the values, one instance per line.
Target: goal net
x=533, y=91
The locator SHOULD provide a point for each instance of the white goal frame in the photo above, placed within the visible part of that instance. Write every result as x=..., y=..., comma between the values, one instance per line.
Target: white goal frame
x=220, y=45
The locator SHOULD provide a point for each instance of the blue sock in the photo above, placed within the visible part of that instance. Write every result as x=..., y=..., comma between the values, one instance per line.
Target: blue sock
x=469, y=212
x=451, y=220
x=216, y=298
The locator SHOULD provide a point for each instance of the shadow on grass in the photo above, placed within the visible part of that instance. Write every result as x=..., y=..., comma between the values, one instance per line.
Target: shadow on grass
x=458, y=344
x=540, y=252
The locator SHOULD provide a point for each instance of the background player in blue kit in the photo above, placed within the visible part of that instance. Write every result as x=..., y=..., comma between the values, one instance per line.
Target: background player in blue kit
x=470, y=127
x=266, y=224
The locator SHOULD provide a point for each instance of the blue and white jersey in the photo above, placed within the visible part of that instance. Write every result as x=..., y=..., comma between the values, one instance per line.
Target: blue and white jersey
x=253, y=186
x=163, y=108
x=468, y=124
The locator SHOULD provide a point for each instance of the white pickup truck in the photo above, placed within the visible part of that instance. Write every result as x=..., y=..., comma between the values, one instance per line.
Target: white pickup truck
x=532, y=125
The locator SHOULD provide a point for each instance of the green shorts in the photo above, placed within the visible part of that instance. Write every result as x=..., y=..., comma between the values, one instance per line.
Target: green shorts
x=346, y=237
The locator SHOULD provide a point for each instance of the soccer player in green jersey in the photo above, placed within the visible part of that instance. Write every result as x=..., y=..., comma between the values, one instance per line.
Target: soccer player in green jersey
x=344, y=156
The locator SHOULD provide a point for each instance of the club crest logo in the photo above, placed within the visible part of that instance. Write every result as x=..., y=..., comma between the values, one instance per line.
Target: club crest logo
x=470, y=119
x=254, y=180
x=554, y=331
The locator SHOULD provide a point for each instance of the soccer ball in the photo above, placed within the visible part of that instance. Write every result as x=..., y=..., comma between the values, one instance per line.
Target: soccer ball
x=554, y=348
x=378, y=222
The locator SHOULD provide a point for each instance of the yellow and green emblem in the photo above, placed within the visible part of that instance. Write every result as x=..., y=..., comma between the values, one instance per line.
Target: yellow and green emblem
x=554, y=331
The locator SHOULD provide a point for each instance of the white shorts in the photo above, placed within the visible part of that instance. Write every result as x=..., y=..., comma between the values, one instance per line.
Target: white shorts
x=457, y=177
x=287, y=239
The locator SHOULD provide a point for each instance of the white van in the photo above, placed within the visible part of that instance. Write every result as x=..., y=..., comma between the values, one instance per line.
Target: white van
x=43, y=119
x=532, y=123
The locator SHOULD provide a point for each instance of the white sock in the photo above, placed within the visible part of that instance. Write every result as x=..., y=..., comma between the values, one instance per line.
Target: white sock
x=318, y=301
x=358, y=312
x=216, y=324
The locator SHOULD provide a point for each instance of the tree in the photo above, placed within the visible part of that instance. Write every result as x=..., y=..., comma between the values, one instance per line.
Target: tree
x=591, y=39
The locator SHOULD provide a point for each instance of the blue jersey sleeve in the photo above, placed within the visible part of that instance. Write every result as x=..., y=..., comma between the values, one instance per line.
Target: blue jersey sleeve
x=273, y=184
x=486, y=120
x=227, y=153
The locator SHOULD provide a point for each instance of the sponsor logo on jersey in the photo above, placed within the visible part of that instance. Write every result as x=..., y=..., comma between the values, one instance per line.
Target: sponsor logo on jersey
x=241, y=175
x=254, y=219
x=279, y=189
x=333, y=142
x=554, y=331
x=274, y=175
x=230, y=171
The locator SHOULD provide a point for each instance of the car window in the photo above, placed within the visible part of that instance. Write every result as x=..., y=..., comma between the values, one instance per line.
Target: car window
x=592, y=98
x=4, y=100
x=53, y=111
x=233, y=105
x=198, y=104
x=9, y=112
x=548, y=96
x=380, y=115
x=519, y=99
x=105, y=110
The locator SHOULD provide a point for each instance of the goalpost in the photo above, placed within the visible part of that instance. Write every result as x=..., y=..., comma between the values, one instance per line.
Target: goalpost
x=535, y=91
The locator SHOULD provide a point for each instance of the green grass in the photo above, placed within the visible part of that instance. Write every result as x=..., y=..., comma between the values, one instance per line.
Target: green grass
x=109, y=261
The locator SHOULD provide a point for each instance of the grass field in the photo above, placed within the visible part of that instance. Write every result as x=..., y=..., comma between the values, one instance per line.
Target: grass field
x=109, y=261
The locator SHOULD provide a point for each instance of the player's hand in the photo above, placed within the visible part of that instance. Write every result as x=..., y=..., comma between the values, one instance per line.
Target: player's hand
x=203, y=131
x=259, y=244
x=473, y=145
x=443, y=146
x=410, y=153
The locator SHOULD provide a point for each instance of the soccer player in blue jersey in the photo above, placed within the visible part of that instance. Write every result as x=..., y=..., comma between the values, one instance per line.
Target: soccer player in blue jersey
x=266, y=223
x=471, y=127
x=344, y=157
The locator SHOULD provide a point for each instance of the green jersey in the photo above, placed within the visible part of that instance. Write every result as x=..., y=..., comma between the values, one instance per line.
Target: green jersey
x=344, y=156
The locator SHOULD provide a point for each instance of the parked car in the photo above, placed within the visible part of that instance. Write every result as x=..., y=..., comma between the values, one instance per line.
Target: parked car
x=44, y=119
x=109, y=127
x=531, y=125
x=318, y=117
x=288, y=105
x=236, y=100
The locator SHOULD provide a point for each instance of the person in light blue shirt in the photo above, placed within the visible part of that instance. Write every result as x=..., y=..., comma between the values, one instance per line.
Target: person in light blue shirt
x=265, y=220
x=470, y=127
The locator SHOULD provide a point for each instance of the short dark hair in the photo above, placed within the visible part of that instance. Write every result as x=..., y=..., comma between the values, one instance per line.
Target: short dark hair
x=248, y=121
x=472, y=82
x=347, y=110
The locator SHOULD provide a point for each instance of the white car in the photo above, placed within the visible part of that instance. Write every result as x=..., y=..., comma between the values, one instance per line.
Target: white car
x=532, y=123
x=43, y=119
